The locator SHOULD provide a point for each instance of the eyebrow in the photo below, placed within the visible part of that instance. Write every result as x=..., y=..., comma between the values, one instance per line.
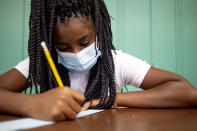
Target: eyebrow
x=83, y=37
x=80, y=39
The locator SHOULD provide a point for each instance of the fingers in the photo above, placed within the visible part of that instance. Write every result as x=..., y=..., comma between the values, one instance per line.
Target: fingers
x=72, y=104
x=59, y=117
x=86, y=106
x=90, y=103
x=75, y=106
x=78, y=97
x=63, y=111
x=95, y=102
x=70, y=114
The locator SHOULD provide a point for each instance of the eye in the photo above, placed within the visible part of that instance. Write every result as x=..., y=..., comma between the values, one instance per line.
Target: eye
x=84, y=44
x=63, y=49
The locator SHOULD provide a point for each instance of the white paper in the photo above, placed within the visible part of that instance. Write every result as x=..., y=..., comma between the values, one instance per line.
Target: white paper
x=87, y=112
x=27, y=123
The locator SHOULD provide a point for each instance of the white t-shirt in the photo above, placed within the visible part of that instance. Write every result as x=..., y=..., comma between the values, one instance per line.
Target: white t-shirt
x=129, y=70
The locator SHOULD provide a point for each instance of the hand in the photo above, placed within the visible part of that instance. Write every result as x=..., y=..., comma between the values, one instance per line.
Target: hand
x=94, y=103
x=56, y=104
x=90, y=103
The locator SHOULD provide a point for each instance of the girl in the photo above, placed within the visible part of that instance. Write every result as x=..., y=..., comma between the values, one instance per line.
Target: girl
x=78, y=35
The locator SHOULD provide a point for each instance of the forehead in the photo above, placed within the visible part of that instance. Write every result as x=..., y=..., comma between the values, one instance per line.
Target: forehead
x=74, y=26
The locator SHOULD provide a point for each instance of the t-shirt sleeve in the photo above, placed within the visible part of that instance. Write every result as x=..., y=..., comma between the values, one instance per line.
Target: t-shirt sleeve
x=130, y=70
x=23, y=67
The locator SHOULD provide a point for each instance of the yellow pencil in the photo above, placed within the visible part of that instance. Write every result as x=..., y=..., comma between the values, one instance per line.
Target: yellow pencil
x=52, y=65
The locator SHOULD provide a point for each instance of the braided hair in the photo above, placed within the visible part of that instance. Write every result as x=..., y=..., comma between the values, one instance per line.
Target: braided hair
x=43, y=18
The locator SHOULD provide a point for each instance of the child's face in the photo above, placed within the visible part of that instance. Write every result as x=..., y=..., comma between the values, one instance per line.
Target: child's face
x=74, y=34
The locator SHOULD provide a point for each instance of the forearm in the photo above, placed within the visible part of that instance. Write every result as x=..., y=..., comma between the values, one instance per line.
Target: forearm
x=167, y=95
x=14, y=103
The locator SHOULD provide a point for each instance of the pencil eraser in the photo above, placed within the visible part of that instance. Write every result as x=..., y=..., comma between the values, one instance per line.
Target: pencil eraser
x=43, y=44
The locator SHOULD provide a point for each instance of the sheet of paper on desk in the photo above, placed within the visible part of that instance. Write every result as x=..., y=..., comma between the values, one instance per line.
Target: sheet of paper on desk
x=27, y=123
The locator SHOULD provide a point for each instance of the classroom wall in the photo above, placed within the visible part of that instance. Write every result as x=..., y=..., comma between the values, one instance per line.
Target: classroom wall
x=162, y=32
x=14, y=32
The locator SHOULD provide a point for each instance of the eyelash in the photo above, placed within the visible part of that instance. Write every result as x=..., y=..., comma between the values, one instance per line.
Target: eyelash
x=81, y=44
x=64, y=48
x=84, y=44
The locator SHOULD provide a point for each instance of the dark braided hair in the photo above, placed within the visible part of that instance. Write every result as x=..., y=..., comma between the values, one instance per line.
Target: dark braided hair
x=43, y=19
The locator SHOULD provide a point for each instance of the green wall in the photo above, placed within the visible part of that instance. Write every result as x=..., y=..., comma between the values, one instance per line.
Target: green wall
x=14, y=16
x=162, y=32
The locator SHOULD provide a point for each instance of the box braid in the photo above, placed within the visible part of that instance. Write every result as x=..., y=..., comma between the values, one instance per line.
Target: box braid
x=43, y=19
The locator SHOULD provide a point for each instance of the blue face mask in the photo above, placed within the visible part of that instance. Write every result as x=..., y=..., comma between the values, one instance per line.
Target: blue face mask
x=83, y=61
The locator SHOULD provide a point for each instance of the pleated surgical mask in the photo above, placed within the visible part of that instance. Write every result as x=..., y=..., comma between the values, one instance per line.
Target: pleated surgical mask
x=82, y=61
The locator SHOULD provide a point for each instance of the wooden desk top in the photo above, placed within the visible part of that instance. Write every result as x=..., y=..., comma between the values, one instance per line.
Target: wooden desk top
x=128, y=120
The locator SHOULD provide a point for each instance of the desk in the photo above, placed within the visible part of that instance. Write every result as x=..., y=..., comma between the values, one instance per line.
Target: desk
x=128, y=120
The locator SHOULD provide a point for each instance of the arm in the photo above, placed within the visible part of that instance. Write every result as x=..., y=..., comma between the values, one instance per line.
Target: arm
x=56, y=104
x=162, y=89
x=12, y=81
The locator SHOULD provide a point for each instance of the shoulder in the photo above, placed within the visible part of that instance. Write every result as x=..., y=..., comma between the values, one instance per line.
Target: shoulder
x=23, y=67
x=129, y=70
x=121, y=58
